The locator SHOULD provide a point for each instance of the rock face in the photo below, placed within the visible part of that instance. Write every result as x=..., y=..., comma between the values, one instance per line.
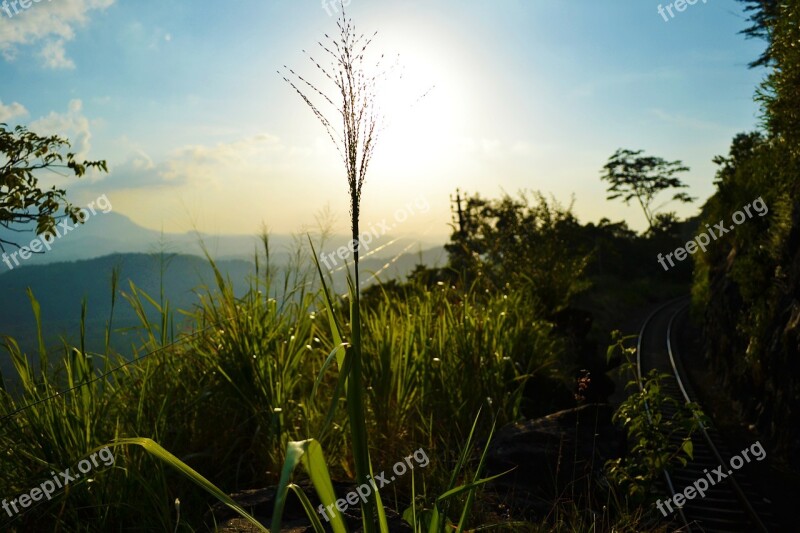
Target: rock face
x=555, y=457
x=260, y=502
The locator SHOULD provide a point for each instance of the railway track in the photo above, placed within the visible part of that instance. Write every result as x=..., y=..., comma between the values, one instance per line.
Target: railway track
x=730, y=505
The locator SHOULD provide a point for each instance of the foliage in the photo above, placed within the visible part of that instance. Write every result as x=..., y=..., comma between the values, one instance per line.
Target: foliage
x=650, y=429
x=763, y=14
x=245, y=380
x=60, y=429
x=436, y=520
x=523, y=241
x=537, y=245
x=23, y=155
x=643, y=178
x=744, y=287
x=780, y=92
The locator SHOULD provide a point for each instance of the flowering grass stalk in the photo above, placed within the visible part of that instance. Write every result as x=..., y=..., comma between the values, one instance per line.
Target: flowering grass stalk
x=355, y=141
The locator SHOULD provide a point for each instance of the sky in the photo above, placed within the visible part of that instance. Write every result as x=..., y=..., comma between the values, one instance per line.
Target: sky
x=200, y=131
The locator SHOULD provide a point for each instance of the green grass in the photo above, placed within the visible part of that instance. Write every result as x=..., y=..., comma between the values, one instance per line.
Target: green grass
x=233, y=398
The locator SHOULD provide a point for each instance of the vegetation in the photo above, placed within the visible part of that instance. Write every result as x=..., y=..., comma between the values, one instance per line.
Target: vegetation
x=22, y=198
x=251, y=367
x=643, y=178
x=355, y=142
x=743, y=288
x=652, y=419
x=287, y=373
x=230, y=395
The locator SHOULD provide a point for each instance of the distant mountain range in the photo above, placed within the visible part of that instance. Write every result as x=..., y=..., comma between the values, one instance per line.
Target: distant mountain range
x=79, y=266
x=112, y=233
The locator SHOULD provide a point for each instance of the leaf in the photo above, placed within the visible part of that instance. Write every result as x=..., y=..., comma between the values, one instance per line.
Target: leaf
x=688, y=448
x=309, y=453
x=157, y=451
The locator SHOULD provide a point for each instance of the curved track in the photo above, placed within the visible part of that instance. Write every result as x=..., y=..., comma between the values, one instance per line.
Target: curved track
x=731, y=505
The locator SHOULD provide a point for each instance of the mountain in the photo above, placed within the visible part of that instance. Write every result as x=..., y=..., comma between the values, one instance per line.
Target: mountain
x=112, y=233
x=78, y=267
x=61, y=288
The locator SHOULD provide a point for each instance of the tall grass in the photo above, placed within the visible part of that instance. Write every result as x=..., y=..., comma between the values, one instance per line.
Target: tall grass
x=236, y=400
x=246, y=379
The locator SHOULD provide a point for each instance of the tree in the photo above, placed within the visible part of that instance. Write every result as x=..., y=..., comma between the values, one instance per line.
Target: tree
x=763, y=15
x=524, y=241
x=747, y=285
x=779, y=94
x=643, y=178
x=23, y=155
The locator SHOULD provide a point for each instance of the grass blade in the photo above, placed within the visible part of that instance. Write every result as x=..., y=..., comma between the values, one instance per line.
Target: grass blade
x=154, y=449
x=309, y=453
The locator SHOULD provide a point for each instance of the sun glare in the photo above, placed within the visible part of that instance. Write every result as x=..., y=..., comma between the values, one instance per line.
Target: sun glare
x=421, y=116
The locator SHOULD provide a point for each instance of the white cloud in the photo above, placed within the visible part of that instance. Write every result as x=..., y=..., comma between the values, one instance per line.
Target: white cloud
x=152, y=38
x=239, y=151
x=7, y=112
x=198, y=166
x=50, y=24
x=73, y=125
x=206, y=165
x=55, y=56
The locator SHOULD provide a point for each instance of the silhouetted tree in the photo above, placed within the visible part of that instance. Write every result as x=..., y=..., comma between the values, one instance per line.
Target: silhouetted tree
x=634, y=176
x=524, y=241
x=23, y=155
x=763, y=14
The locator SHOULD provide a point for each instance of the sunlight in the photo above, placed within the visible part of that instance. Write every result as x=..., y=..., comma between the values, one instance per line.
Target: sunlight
x=422, y=117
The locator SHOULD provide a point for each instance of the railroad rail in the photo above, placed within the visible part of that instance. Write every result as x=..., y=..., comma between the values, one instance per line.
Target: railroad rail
x=730, y=506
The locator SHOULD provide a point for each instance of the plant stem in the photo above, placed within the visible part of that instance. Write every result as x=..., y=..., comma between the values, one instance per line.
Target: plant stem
x=355, y=389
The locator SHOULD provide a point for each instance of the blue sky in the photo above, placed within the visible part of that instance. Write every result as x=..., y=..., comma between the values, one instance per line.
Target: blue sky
x=183, y=100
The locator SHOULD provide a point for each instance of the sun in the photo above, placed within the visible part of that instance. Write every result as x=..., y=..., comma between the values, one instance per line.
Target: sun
x=421, y=116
